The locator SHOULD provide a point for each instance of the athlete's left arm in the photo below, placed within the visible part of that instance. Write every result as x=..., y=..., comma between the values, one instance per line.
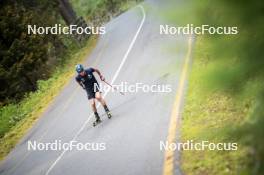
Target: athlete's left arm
x=99, y=73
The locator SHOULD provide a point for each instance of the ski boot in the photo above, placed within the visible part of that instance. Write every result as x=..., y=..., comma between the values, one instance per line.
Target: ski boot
x=97, y=121
x=109, y=115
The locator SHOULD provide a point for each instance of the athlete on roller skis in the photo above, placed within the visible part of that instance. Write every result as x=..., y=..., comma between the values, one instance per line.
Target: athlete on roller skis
x=88, y=82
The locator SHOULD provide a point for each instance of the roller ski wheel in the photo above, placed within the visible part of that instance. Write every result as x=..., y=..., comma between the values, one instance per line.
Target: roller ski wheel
x=96, y=122
x=109, y=115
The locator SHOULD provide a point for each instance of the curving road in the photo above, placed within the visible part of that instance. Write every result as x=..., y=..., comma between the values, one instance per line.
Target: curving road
x=132, y=50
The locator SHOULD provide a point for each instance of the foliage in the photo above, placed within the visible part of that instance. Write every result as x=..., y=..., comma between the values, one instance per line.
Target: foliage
x=100, y=11
x=23, y=56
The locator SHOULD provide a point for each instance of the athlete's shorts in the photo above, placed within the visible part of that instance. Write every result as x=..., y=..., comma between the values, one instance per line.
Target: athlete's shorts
x=91, y=93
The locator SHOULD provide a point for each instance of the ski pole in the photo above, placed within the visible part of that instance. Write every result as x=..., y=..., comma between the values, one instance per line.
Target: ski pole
x=113, y=87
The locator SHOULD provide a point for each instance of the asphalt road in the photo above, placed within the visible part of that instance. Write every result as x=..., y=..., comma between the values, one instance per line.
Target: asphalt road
x=131, y=51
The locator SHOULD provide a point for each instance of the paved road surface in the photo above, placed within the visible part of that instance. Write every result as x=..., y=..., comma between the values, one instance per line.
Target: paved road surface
x=131, y=51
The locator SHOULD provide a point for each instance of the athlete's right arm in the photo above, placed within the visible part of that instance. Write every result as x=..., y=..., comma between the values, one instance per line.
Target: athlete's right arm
x=80, y=83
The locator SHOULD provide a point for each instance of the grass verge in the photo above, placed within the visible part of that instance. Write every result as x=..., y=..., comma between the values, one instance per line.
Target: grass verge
x=17, y=119
x=213, y=115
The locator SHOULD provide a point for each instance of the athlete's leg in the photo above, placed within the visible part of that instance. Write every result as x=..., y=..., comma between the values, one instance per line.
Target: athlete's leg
x=93, y=106
x=92, y=103
x=99, y=97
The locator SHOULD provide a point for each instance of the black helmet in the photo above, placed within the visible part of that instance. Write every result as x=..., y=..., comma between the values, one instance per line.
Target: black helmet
x=79, y=68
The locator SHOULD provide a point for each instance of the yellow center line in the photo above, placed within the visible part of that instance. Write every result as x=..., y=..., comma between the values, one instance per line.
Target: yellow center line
x=169, y=161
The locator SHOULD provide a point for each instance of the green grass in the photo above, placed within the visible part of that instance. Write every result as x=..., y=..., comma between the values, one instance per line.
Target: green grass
x=16, y=119
x=225, y=95
x=100, y=11
x=214, y=115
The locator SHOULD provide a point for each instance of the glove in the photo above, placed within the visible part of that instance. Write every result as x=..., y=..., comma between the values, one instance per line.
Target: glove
x=102, y=78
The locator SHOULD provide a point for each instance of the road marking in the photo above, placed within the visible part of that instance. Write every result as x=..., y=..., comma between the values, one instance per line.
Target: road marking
x=168, y=166
x=114, y=78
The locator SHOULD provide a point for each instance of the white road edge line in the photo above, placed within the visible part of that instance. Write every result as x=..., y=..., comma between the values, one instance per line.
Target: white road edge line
x=113, y=80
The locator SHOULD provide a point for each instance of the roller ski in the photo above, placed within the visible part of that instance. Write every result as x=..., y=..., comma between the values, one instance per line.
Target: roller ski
x=109, y=115
x=97, y=122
